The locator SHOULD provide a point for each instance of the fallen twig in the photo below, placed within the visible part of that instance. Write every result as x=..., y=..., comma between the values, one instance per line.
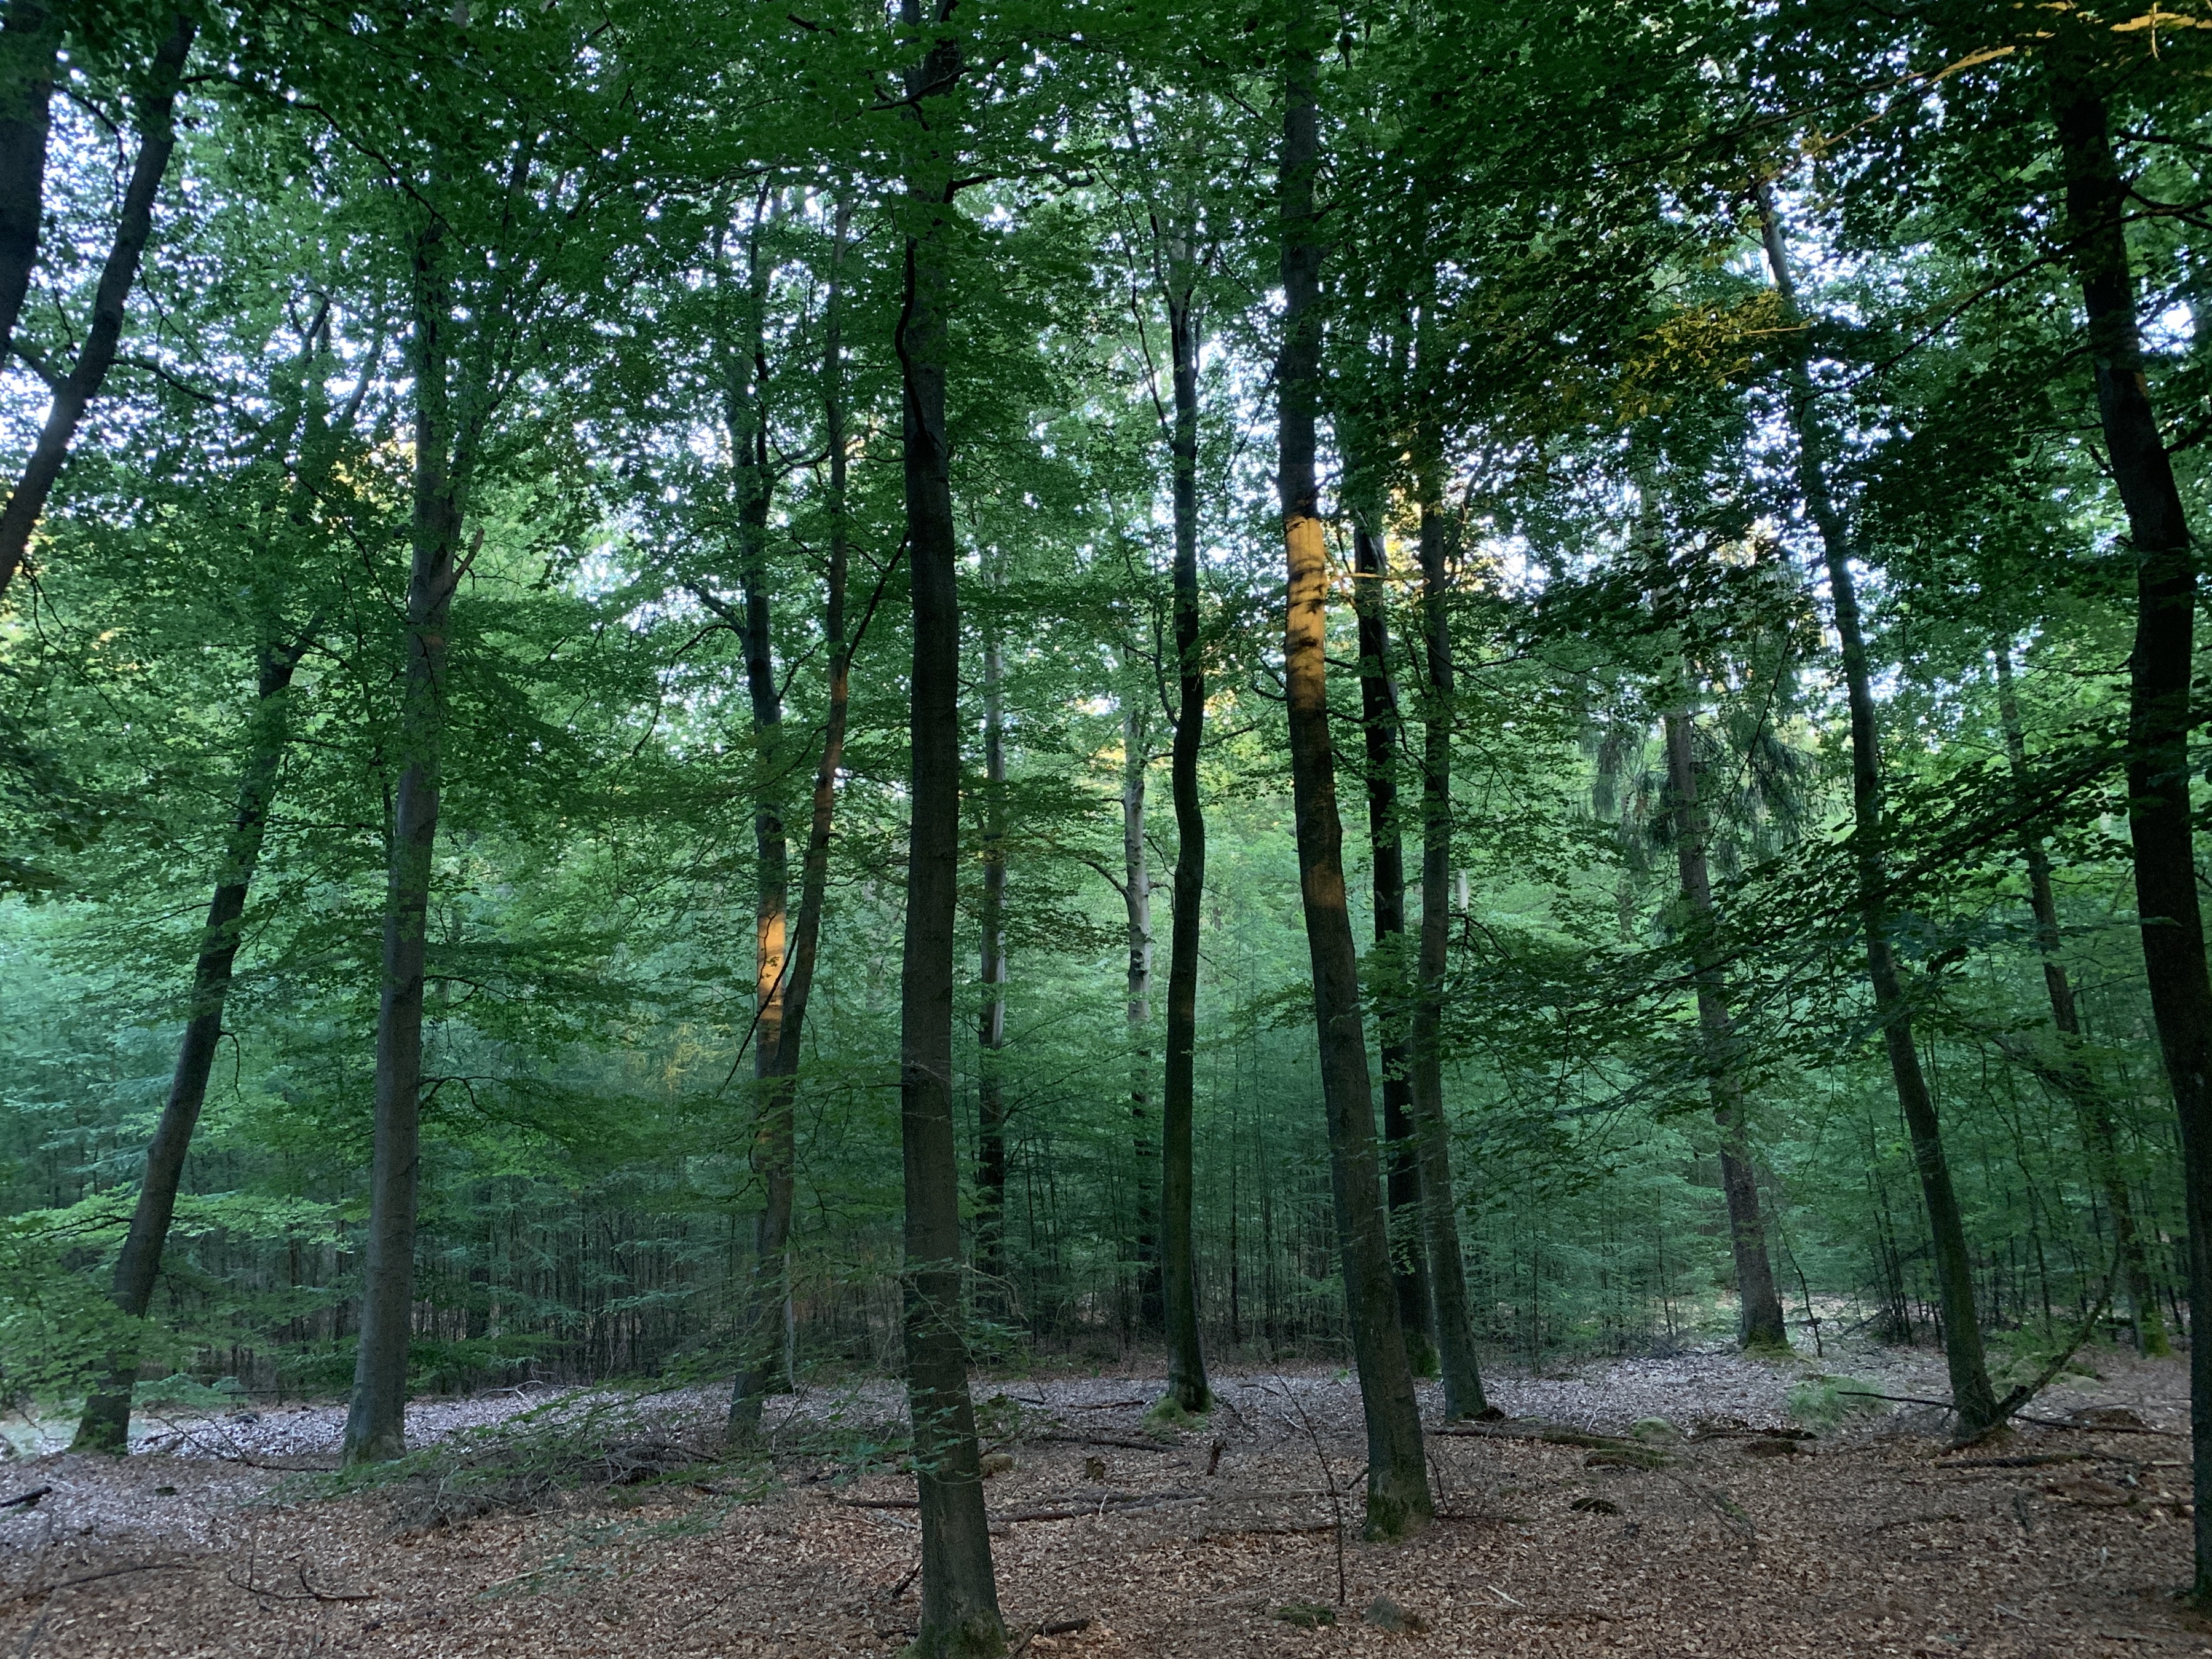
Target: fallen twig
x=1074, y=1438
x=2029, y=1460
x=309, y=1592
x=1050, y=1627
x=40, y=1592
x=24, y=1500
x=1114, y=1505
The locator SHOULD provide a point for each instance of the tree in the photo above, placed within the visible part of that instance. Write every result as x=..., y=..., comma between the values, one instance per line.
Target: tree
x=1398, y=1500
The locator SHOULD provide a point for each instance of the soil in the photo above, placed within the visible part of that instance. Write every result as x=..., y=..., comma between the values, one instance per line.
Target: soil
x=1870, y=1538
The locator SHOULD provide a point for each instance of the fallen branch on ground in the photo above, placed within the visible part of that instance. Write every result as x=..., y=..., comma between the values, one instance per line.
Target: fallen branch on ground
x=24, y=1500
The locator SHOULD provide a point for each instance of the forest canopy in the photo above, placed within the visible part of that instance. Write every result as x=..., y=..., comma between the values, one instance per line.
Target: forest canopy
x=704, y=692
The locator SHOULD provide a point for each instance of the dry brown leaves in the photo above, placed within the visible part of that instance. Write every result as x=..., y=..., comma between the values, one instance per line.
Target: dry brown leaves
x=1861, y=1546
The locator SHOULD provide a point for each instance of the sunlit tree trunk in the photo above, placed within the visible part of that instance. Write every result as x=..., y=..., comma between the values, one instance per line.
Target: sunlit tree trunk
x=1398, y=1498
x=73, y=392
x=1971, y=1397
x=2092, y=1110
x=959, y=1592
x=760, y=1369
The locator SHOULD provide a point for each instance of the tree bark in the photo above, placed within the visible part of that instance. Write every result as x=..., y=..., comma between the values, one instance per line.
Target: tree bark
x=2159, y=711
x=1455, y=1355
x=1971, y=1397
x=760, y=1369
x=30, y=48
x=991, y=1032
x=1759, y=1317
x=1137, y=1003
x=1187, y=1381
x=104, y=1426
x=959, y=1592
x=157, y=136
x=1398, y=1498
x=375, y=1426
x=2093, y=1111
x=1384, y=730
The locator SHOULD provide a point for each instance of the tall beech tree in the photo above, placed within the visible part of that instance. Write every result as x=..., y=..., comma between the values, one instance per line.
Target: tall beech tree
x=959, y=1591
x=1186, y=1382
x=1973, y=1401
x=1455, y=1353
x=2160, y=676
x=30, y=51
x=1398, y=1498
x=26, y=62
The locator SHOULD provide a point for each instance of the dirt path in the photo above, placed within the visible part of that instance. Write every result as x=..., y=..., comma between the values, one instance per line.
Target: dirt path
x=1865, y=1541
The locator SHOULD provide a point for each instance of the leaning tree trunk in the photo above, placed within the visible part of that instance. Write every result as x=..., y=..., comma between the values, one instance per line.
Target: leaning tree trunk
x=1973, y=1399
x=1398, y=1498
x=1384, y=730
x=1462, y=1373
x=1137, y=1001
x=30, y=51
x=105, y=1423
x=2093, y=1111
x=1186, y=1382
x=959, y=1591
x=991, y=1021
x=2158, y=715
x=73, y=392
x=760, y=1369
x=375, y=1428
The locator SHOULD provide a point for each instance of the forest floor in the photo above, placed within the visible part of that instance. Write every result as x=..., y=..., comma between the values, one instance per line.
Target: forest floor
x=589, y=1524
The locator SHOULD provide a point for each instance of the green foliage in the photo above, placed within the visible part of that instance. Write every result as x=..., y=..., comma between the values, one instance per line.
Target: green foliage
x=1823, y=1401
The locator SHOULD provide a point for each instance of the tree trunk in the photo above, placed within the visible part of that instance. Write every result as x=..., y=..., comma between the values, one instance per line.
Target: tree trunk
x=1384, y=730
x=2159, y=671
x=1398, y=1499
x=1137, y=1004
x=157, y=136
x=959, y=1592
x=1187, y=1381
x=375, y=1426
x=760, y=1369
x=991, y=1032
x=30, y=48
x=1463, y=1395
x=105, y=1423
x=1971, y=1397
x=2092, y=1112
x=1760, y=1319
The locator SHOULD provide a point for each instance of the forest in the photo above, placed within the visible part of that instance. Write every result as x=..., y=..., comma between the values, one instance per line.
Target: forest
x=828, y=713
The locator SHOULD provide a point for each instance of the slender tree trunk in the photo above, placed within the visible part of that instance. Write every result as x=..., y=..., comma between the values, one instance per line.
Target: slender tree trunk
x=1398, y=1499
x=1187, y=1381
x=106, y=1423
x=1384, y=731
x=30, y=49
x=157, y=136
x=1759, y=1317
x=2093, y=1111
x=375, y=1426
x=1462, y=1374
x=760, y=1369
x=1971, y=1397
x=2158, y=714
x=959, y=1591
x=1137, y=1004
x=991, y=1032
